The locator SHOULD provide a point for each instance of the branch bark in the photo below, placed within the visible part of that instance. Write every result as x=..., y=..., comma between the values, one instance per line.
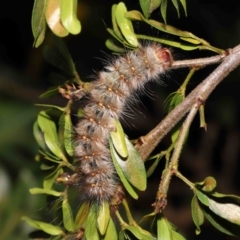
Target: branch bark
x=147, y=143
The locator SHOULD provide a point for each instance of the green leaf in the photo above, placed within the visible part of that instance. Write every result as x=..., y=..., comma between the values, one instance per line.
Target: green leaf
x=175, y=3
x=39, y=136
x=68, y=15
x=103, y=217
x=134, y=230
x=133, y=168
x=46, y=227
x=111, y=233
x=119, y=171
x=116, y=29
x=197, y=214
x=191, y=40
x=220, y=223
x=152, y=168
x=50, y=179
x=202, y=197
x=208, y=185
x=50, y=92
x=62, y=48
x=82, y=215
x=183, y=2
x=38, y=22
x=67, y=216
x=228, y=211
x=110, y=44
x=118, y=139
x=50, y=133
x=45, y=191
x=177, y=236
x=163, y=10
x=148, y=6
x=91, y=231
x=52, y=14
x=68, y=138
x=163, y=229
x=125, y=25
x=51, y=106
x=55, y=57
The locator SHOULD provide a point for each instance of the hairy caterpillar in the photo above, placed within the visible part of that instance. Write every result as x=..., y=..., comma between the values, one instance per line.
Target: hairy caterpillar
x=101, y=105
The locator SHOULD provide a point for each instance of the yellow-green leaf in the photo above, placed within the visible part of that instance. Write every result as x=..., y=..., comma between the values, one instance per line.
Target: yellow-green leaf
x=38, y=21
x=113, y=47
x=133, y=168
x=46, y=227
x=197, y=214
x=111, y=233
x=163, y=10
x=119, y=171
x=68, y=131
x=67, y=216
x=50, y=179
x=45, y=191
x=125, y=25
x=118, y=139
x=50, y=133
x=103, y=217
x=68, y=15
x=82, y=215
x=53, y=18
x=91, y=231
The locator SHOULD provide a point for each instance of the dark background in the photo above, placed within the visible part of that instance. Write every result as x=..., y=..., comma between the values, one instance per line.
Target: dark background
x=23, y=77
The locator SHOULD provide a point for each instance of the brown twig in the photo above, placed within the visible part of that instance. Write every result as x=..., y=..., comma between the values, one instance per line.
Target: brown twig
x=146, y=144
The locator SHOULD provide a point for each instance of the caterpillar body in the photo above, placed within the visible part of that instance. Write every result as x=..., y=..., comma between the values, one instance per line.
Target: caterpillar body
x=101, y=106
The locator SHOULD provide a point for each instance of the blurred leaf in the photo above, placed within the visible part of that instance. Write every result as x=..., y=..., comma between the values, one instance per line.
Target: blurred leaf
x=111, y=232
x=46, y=227
x=82, y=215
x=62, y=48
x=183, y=2
x=148, y=6
x=50, y=179
x=67, y=216
x=45, y=191
x=118, y=139
x=134, y=230
x=54, y=57
x=68, y=138
x=103, y=217
x=197, y=214
x=176, y=5
x=39, y=136
x=68, y=14
x=163, y=10
x=53, y=18
x=163, y=229
x=50, y=92
x=125, y=25
x=110, y=44
x=119, y=171
x=116, y=29
x=50, y=133
x=38, y=22
x=51, y=106
x=152, y=168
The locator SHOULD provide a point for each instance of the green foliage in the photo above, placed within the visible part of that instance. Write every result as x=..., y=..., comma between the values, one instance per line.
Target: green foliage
x=53, y=133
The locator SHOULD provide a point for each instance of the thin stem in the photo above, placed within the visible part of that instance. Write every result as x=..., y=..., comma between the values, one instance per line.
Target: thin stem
x=184, y=179
x=161, y=201
x=200, y=62
x=128, y=213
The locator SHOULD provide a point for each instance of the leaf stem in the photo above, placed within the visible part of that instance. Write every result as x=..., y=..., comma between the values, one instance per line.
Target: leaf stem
x=161, y=201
